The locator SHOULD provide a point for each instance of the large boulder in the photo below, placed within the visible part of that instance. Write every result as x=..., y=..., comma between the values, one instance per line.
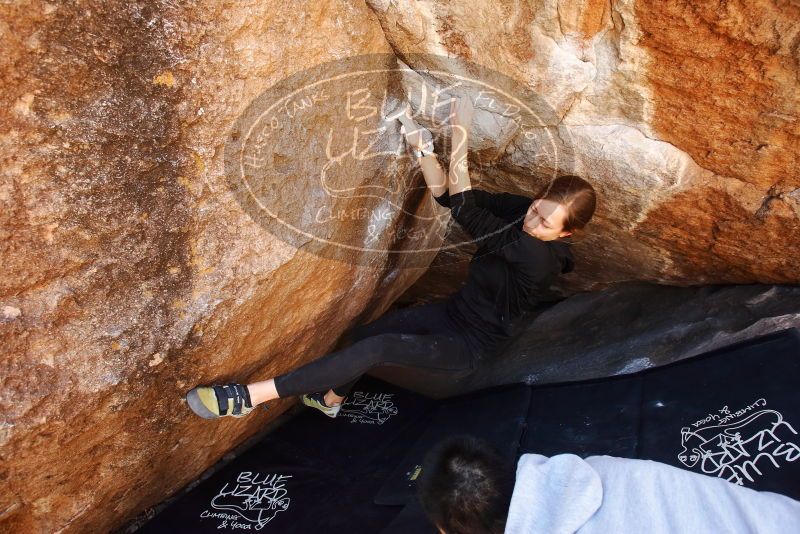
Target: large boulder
x=685, y=117
x=132, y=268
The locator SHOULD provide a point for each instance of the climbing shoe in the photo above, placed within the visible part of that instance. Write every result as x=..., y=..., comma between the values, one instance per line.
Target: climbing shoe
x=211, y=402
x=317, y=400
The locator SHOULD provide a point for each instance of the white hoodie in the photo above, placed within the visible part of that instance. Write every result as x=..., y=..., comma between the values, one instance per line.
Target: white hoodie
x=607, y=495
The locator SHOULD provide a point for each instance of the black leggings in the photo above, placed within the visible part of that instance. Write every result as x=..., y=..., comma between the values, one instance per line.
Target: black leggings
x=418, y=336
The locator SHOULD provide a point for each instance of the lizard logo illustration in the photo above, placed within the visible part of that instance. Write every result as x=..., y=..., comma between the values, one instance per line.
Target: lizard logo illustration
x=369, y=408
x=252, y=502
x=333, y=133
x=736, y=442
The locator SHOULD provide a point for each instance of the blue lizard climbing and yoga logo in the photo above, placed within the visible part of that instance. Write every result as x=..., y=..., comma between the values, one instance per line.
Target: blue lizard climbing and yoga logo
x=357, y=182
x=738, y=446
x=251, y=502
x=368, y=408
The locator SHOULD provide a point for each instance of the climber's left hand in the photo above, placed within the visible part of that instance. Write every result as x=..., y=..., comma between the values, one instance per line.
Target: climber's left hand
x=461, y=111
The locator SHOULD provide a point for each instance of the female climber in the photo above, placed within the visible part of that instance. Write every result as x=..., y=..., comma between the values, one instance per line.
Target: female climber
x=520, y=251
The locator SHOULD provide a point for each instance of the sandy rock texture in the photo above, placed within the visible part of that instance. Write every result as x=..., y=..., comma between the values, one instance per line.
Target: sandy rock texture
x=130, y=269
x=684, y=115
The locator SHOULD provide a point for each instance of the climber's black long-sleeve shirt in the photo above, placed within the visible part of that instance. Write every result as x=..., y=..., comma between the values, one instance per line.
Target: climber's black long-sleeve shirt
x=508, y=269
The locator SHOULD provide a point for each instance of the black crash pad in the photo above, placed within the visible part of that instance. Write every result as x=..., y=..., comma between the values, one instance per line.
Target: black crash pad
x=737, y=409
x=496, y=415
x=733, y=413
x=312, y=474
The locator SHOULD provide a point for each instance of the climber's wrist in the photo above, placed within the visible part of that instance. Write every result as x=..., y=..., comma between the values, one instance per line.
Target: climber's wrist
x=422, y=152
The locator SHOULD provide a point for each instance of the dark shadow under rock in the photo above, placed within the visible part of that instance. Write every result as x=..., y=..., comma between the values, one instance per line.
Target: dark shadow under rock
x=622, y=329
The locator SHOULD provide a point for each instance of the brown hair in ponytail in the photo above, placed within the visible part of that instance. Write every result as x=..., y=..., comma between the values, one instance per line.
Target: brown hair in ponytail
x=576, y=195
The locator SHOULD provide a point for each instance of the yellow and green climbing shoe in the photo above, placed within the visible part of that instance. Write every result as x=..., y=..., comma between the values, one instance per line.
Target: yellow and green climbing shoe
x=211, y=402
x=317, y=401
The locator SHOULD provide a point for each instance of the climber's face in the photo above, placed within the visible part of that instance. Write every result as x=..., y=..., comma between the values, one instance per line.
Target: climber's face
x=545, y=220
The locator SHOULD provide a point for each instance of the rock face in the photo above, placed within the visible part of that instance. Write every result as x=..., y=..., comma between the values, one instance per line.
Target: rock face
x=684, y=115
x=130, y=270
x=136, y=263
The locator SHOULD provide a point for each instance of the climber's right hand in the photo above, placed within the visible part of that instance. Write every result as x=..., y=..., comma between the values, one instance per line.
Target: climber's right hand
x=416, y=136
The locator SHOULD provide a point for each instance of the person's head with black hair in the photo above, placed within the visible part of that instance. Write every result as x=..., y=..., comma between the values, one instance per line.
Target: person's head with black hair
x=465, y=486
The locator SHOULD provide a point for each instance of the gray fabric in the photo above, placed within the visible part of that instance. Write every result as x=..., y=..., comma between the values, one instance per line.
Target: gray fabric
x=603, y=494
